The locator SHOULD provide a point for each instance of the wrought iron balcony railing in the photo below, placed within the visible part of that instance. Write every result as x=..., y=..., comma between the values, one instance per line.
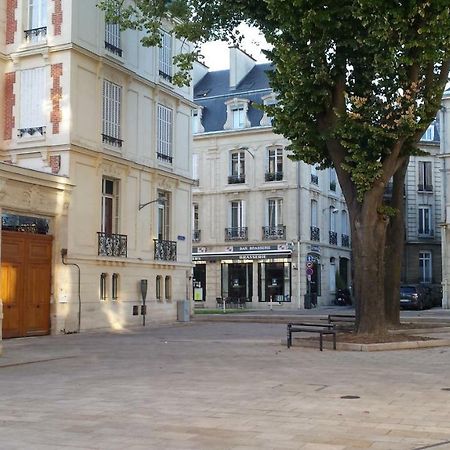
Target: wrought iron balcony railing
x=164, y=157
x=236, y=179
x=274, y=176
x=112, y=245
x=345, y=240
x=196, y=236
x=315, y=234
x=274, y=233
x=426, y=234
x=236, y=234
x=115, y=142
x=425, y=187
x=165, y=76
x=21, y=132
x=113, y=49
x=333, y=237
x=165, y=250
x=35, y=34
x=314, y=179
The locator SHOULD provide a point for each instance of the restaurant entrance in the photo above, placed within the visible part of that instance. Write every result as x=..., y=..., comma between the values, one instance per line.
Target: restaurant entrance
x=237, y=282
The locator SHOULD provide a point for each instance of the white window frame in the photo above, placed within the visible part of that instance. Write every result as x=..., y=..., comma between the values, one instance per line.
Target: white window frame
x=275, y=160
x=237, y=163
x=429, y=132
x=113, y=38
x=163, y=216
x=344, y=223
x=333, y=214
x=238, y=220
x=238, y=114
x=425, y=267
x=37, y=18
x=165, y=134
x=33, y=98
x=112, y=109
x=425, y=220
x=333, y=179
x=314, y=213
x=112, y=197
x=274, y=212
x=166, y=55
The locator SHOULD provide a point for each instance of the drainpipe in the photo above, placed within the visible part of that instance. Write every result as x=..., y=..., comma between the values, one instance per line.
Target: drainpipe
x=63, y=257
x=444, y=199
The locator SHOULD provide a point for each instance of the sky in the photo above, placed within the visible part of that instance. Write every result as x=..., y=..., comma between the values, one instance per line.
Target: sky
x=216, y=53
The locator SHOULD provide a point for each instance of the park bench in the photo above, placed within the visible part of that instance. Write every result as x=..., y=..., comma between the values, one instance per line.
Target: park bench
x=322, y=329
x=338, y=318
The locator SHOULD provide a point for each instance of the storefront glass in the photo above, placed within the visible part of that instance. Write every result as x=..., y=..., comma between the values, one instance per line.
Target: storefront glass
x=274, y=282
x=237, y=281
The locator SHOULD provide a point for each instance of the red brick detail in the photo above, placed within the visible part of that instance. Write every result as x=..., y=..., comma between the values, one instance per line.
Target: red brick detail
x=56, y=93
x=55, y=163
x=11, y=22
x=10, y=101
x=57, y=18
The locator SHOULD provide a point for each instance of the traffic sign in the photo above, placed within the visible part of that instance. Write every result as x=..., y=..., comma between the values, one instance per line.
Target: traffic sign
x=309, y=272
x=310, y=258
x=309, y=265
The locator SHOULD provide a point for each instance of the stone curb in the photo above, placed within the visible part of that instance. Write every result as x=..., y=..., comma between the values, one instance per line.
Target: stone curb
x=347, y=346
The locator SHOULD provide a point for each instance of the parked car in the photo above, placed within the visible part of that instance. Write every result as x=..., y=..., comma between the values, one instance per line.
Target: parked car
x=415, y=297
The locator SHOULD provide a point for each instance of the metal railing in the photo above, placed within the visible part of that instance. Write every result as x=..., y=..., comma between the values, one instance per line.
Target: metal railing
x=273, y=176
x=113, y=49
x=164, y=157
x=274, y=233
x=236, y=234
x=112, y=245
x=165, y=250
x=35, y=34
x=332, y=237
x=196, y=235
x=345, y=240
x=31, y=131
x=236, y=179
x=315, y=234
x=115, y=142
x=165, y=76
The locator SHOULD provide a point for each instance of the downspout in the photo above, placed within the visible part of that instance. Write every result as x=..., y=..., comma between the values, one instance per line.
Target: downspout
x=443, y=131
x=63, y=256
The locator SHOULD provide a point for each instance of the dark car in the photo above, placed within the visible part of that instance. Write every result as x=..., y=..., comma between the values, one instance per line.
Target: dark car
x=415, y=297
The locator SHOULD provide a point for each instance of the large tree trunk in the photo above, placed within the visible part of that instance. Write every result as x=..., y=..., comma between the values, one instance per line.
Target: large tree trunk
x=368, y=245
x=394, y=248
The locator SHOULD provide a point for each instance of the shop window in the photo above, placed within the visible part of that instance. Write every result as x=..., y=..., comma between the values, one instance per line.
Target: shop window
x=237, y=281
x=274, y=282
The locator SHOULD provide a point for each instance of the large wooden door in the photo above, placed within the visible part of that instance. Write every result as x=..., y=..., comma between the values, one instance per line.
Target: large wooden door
x=25, y=283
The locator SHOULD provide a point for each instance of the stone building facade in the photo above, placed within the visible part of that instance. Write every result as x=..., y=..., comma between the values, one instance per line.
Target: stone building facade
x=267, y=230
x=86, y=103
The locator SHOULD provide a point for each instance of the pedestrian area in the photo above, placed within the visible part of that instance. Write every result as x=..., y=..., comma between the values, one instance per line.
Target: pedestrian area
x=211, y=386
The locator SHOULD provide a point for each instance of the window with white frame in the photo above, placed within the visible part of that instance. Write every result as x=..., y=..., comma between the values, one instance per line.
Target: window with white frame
x=425, y=176
x=195, y=217
x=238, y=117
x=33, y=98
x=314, y=175
x=165, y=134
x=165, y=56
x=268, y=100
x=37, y=21
x=314, y=214
x=429, y=133
x=333, y=180
x=163, y=218
x=425, y=224
x=274, y=212
x=344, y=223
x=112, y=98
x=110, y=206
x=274, y=164
x=333, y=213
x=237, y=167
x=237, y=214
x=425, y=267
x=112, y=38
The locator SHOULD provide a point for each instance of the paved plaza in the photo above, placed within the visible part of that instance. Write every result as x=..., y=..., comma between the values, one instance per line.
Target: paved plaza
x=211, y=386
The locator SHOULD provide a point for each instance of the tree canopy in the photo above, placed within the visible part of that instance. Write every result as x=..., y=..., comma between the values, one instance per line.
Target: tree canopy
x=357, y=82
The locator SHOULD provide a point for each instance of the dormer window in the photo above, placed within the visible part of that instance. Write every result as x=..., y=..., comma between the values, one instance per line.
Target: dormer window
x=268, y=100
x=429, y=134
x=237, y=117
x=197, y=126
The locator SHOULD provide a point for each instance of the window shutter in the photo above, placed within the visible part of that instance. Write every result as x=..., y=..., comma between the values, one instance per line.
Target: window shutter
x=32, y=98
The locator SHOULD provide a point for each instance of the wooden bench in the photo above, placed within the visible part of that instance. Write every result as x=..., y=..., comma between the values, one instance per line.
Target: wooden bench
x=311, y=328
x=346, y=318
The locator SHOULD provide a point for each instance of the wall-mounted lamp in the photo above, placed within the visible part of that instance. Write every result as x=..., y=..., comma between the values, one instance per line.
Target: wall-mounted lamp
x=160, y=201
x=332, y=208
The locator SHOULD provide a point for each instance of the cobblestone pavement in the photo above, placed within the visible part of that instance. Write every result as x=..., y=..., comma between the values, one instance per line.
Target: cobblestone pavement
x=211, y=386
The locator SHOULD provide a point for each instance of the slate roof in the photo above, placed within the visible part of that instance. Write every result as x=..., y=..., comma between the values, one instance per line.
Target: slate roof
x=213, y=90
